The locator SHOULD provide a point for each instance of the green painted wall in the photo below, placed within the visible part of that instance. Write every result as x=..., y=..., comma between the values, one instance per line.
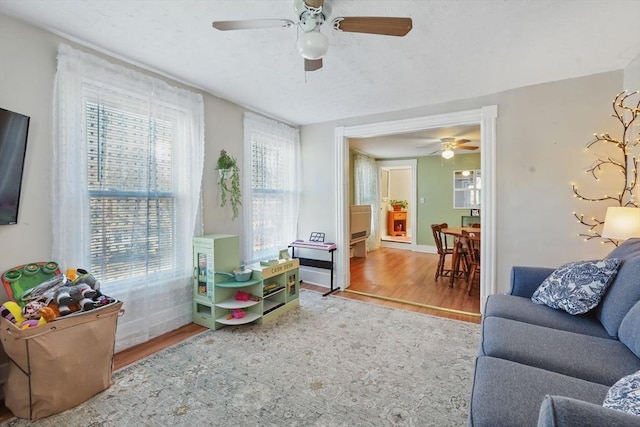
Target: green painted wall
x=435, y=184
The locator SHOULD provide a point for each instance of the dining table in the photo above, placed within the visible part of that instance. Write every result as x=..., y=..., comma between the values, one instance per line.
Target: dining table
x=456, y=232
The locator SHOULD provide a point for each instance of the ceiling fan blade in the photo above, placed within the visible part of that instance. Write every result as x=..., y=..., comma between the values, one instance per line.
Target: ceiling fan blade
x=462, y=141
x=312, y=64
x=252, y=24
x=316, y=4
x=383, y=25
x=465, y=148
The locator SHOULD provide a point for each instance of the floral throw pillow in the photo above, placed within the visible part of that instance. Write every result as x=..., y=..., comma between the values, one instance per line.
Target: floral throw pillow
x=625, y=395
x=577, y=287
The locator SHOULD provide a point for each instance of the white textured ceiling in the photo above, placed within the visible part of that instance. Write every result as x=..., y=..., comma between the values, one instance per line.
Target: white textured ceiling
x=457, y=48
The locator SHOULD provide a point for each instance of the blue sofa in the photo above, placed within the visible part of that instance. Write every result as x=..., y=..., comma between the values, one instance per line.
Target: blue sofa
x=541, y=366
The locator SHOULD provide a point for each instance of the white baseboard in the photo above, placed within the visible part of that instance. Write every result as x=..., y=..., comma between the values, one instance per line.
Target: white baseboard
x=316, y=276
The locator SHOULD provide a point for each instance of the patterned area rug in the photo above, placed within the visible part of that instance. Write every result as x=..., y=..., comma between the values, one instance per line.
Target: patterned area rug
x=330, y=362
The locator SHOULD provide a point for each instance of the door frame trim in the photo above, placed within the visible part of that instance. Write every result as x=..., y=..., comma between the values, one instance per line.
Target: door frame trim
x=486, y=117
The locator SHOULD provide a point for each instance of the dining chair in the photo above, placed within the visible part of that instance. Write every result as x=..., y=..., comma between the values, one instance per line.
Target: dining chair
x=472, y=240
x=443, y=249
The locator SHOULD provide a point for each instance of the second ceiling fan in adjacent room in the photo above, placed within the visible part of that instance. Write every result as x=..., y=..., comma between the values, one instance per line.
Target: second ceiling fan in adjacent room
x=448, y=145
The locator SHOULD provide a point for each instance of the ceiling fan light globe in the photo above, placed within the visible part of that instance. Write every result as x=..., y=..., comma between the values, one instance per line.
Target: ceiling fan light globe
x=312, y=45
x=447, y=154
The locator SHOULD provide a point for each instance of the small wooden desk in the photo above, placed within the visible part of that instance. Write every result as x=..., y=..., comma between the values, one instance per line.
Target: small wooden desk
x=457, y=232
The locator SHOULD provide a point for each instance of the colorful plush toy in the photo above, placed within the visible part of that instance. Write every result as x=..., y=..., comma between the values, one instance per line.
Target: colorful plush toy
x=80, y=294
x=31, y=309
x=86, y=278
x=11, y=311
x=37, y=309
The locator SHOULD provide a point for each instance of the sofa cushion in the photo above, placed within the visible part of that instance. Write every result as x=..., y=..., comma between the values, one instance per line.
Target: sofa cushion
x=625, y=395
x=561, y=411
x=506, y=393
x=601, y=360
x=624, y=291
x=577, y=287
x=629, y=332
x=525, y=310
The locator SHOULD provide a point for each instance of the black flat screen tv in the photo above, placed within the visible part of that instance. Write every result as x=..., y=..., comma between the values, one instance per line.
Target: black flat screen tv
x=14, y=128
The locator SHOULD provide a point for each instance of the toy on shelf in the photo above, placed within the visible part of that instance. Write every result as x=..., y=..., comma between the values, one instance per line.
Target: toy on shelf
x=236, y=313
x=245, y=296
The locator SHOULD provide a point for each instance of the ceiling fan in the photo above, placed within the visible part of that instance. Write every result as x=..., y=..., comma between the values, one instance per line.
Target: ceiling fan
x=447, y=145
x=312, y=44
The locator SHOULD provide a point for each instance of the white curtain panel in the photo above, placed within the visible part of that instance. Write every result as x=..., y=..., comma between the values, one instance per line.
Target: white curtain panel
x=153, y=279
x=271, y=187
x=367, y=192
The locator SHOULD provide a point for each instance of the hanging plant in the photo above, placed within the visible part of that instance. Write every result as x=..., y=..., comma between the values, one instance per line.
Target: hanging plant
x=229, y=182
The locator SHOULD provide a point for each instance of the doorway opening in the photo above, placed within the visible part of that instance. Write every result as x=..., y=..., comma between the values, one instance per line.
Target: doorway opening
x=486, y=117
x=397, y=182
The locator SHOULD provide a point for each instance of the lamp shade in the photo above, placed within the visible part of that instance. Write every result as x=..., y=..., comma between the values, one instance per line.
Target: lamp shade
x=621, y=223
x=312, y=45
x=447, y=154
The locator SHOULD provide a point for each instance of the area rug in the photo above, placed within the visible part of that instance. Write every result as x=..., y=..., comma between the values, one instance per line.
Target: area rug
x=330, y=362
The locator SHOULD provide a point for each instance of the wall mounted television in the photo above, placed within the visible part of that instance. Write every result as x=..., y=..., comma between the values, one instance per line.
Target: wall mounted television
x=14, y=128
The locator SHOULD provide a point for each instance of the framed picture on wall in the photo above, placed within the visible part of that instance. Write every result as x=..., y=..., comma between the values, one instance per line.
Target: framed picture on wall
x=475, y=212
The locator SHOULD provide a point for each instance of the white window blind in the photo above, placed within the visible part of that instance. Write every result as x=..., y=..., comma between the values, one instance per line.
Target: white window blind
x=130, y=188
x=271, y=187
x=127, y=169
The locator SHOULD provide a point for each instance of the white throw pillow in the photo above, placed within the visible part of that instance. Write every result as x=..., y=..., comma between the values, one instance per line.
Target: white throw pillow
x=577, y=287
x=625, y=395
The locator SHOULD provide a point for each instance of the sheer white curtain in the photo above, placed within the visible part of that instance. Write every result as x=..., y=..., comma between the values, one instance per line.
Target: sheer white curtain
x=367, y=192
x=128, y=160
x=271, y=188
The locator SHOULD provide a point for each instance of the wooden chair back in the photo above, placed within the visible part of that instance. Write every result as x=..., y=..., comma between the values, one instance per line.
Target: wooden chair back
x=472, y=241
x=440, y=238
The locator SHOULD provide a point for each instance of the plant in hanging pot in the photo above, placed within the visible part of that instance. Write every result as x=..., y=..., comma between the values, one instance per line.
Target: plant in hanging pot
x=229, y=181
x=398, y=205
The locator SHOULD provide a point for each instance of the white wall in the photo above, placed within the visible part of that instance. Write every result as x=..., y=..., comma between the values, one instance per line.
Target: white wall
x=27, y=72
x=542, y=131
x=632, y=75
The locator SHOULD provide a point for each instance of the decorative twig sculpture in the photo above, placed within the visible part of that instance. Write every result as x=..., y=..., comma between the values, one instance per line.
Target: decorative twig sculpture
x=622, y=162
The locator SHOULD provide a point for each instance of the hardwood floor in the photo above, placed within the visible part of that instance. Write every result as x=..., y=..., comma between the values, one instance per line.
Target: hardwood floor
x=390, y=277
x=405, y=279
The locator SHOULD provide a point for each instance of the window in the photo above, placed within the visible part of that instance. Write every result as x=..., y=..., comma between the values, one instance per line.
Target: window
x=132, y=204
x=127, y=167
x=467, y=185
x=271, y=187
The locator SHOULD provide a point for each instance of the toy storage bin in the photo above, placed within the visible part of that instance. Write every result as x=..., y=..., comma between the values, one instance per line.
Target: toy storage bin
x=61, y=364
